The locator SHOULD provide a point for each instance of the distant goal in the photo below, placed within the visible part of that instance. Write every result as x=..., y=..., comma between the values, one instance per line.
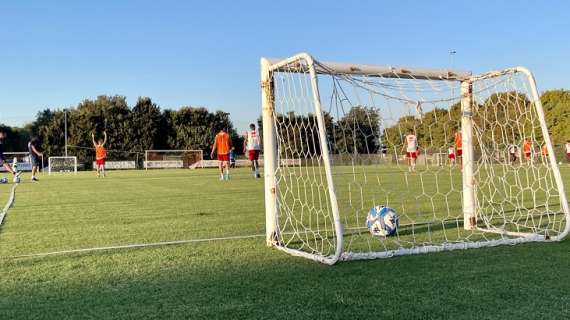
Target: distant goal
x=339, y=118
x=62, y=165
x=173, y=159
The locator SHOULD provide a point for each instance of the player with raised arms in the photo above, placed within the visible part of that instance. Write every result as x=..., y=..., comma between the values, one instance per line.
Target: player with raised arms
x=252, y=147
x=35, y=156
x=411, y=145
x=3, y=162
x=100, y=154
x=221, y=146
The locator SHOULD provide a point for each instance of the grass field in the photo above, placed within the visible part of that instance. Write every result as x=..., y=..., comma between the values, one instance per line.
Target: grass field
x=237, y=279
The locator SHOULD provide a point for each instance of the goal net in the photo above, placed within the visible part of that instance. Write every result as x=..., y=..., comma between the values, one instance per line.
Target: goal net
x=172, y=159
x=62, y=165
x=349, y=199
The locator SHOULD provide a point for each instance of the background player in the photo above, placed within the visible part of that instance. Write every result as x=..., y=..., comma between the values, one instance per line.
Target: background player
x=232, y=157
x=252, y=147
x=568, y=150
x=221, y=146
x=544, y=153
x=411, y=145
x=100, y=154
x=527, y=150
x=459, y=147
x=3, y=159
x=35, y=156
x=451, y=155
x=513, y=153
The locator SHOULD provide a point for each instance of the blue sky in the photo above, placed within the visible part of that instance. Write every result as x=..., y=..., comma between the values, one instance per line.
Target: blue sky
x=53, y=54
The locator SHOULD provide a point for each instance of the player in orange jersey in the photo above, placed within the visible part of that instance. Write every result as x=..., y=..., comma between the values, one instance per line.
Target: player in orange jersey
x=544, y=153
x=221, y=146
x=527, y=149
x=459, y=147
x=100, y=154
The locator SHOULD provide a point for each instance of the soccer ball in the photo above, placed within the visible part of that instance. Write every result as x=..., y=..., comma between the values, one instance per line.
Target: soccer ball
x=382, y=221
x=16, y=179
x=3, y=180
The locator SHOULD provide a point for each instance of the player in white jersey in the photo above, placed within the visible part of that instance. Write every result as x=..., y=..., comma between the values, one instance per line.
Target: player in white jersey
x=451, y=155
x=252, y=147
x=411, y=145
x=513, y=153
x=568, y=150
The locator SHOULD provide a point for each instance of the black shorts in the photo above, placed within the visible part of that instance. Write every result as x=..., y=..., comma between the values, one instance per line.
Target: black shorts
x=2, y=158
x=35, y=160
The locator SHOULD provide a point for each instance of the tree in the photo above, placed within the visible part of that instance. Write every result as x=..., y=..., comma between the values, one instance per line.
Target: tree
x=556, y=105
x=146, y=120
x=358, y=131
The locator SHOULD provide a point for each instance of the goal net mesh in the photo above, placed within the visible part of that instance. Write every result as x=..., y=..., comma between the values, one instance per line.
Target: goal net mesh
x=363, y=114
x=62, y=165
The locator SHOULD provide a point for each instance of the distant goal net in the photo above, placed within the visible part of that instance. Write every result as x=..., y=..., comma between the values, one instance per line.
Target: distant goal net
x=358, y=130
x=62, y=165
x=173, y=159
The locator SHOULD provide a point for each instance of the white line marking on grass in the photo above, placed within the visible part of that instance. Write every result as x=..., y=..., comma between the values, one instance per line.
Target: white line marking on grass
x=132, y=246
x=9, y=204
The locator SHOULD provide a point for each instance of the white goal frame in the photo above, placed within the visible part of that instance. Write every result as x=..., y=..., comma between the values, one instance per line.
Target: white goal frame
x=304, y=63
x=61, y=157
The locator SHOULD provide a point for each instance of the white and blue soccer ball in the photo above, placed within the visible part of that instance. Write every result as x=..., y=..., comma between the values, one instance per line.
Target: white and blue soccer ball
x=382, y=221
x=3, y=180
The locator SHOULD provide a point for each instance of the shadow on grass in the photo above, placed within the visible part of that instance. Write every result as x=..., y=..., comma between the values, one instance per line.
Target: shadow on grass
x=245, y=280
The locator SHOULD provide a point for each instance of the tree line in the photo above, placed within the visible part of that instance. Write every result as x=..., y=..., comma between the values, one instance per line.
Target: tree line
x=130, y=130
x=146, y=126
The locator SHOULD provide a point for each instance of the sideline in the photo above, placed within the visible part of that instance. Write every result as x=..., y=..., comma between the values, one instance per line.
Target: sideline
x=9, y=204
x=131, y=246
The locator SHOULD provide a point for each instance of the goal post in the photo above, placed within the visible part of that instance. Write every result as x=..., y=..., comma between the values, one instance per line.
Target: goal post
x=338, y=118
x=173, y=159
x=62, y=164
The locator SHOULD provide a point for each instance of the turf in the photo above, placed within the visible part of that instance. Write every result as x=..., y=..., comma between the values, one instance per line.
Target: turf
x=237, y=279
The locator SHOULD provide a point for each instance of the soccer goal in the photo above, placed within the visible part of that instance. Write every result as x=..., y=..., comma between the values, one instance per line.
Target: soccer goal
x=335, y=117
x=173, y=159
x=62, y=165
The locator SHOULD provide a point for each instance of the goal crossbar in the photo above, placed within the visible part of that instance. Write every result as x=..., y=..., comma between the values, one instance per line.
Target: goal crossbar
x=369, y=70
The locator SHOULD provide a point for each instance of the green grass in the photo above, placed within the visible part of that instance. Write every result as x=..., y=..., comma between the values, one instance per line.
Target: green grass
x=237, y=279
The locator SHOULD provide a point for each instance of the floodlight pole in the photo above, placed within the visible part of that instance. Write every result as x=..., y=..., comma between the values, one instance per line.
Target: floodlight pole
x=451, y=55
x=65, y=130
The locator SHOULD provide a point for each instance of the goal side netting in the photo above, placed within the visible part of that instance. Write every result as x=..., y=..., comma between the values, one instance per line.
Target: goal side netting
x=354, y=193
x=173, y=159
x=62, y=164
